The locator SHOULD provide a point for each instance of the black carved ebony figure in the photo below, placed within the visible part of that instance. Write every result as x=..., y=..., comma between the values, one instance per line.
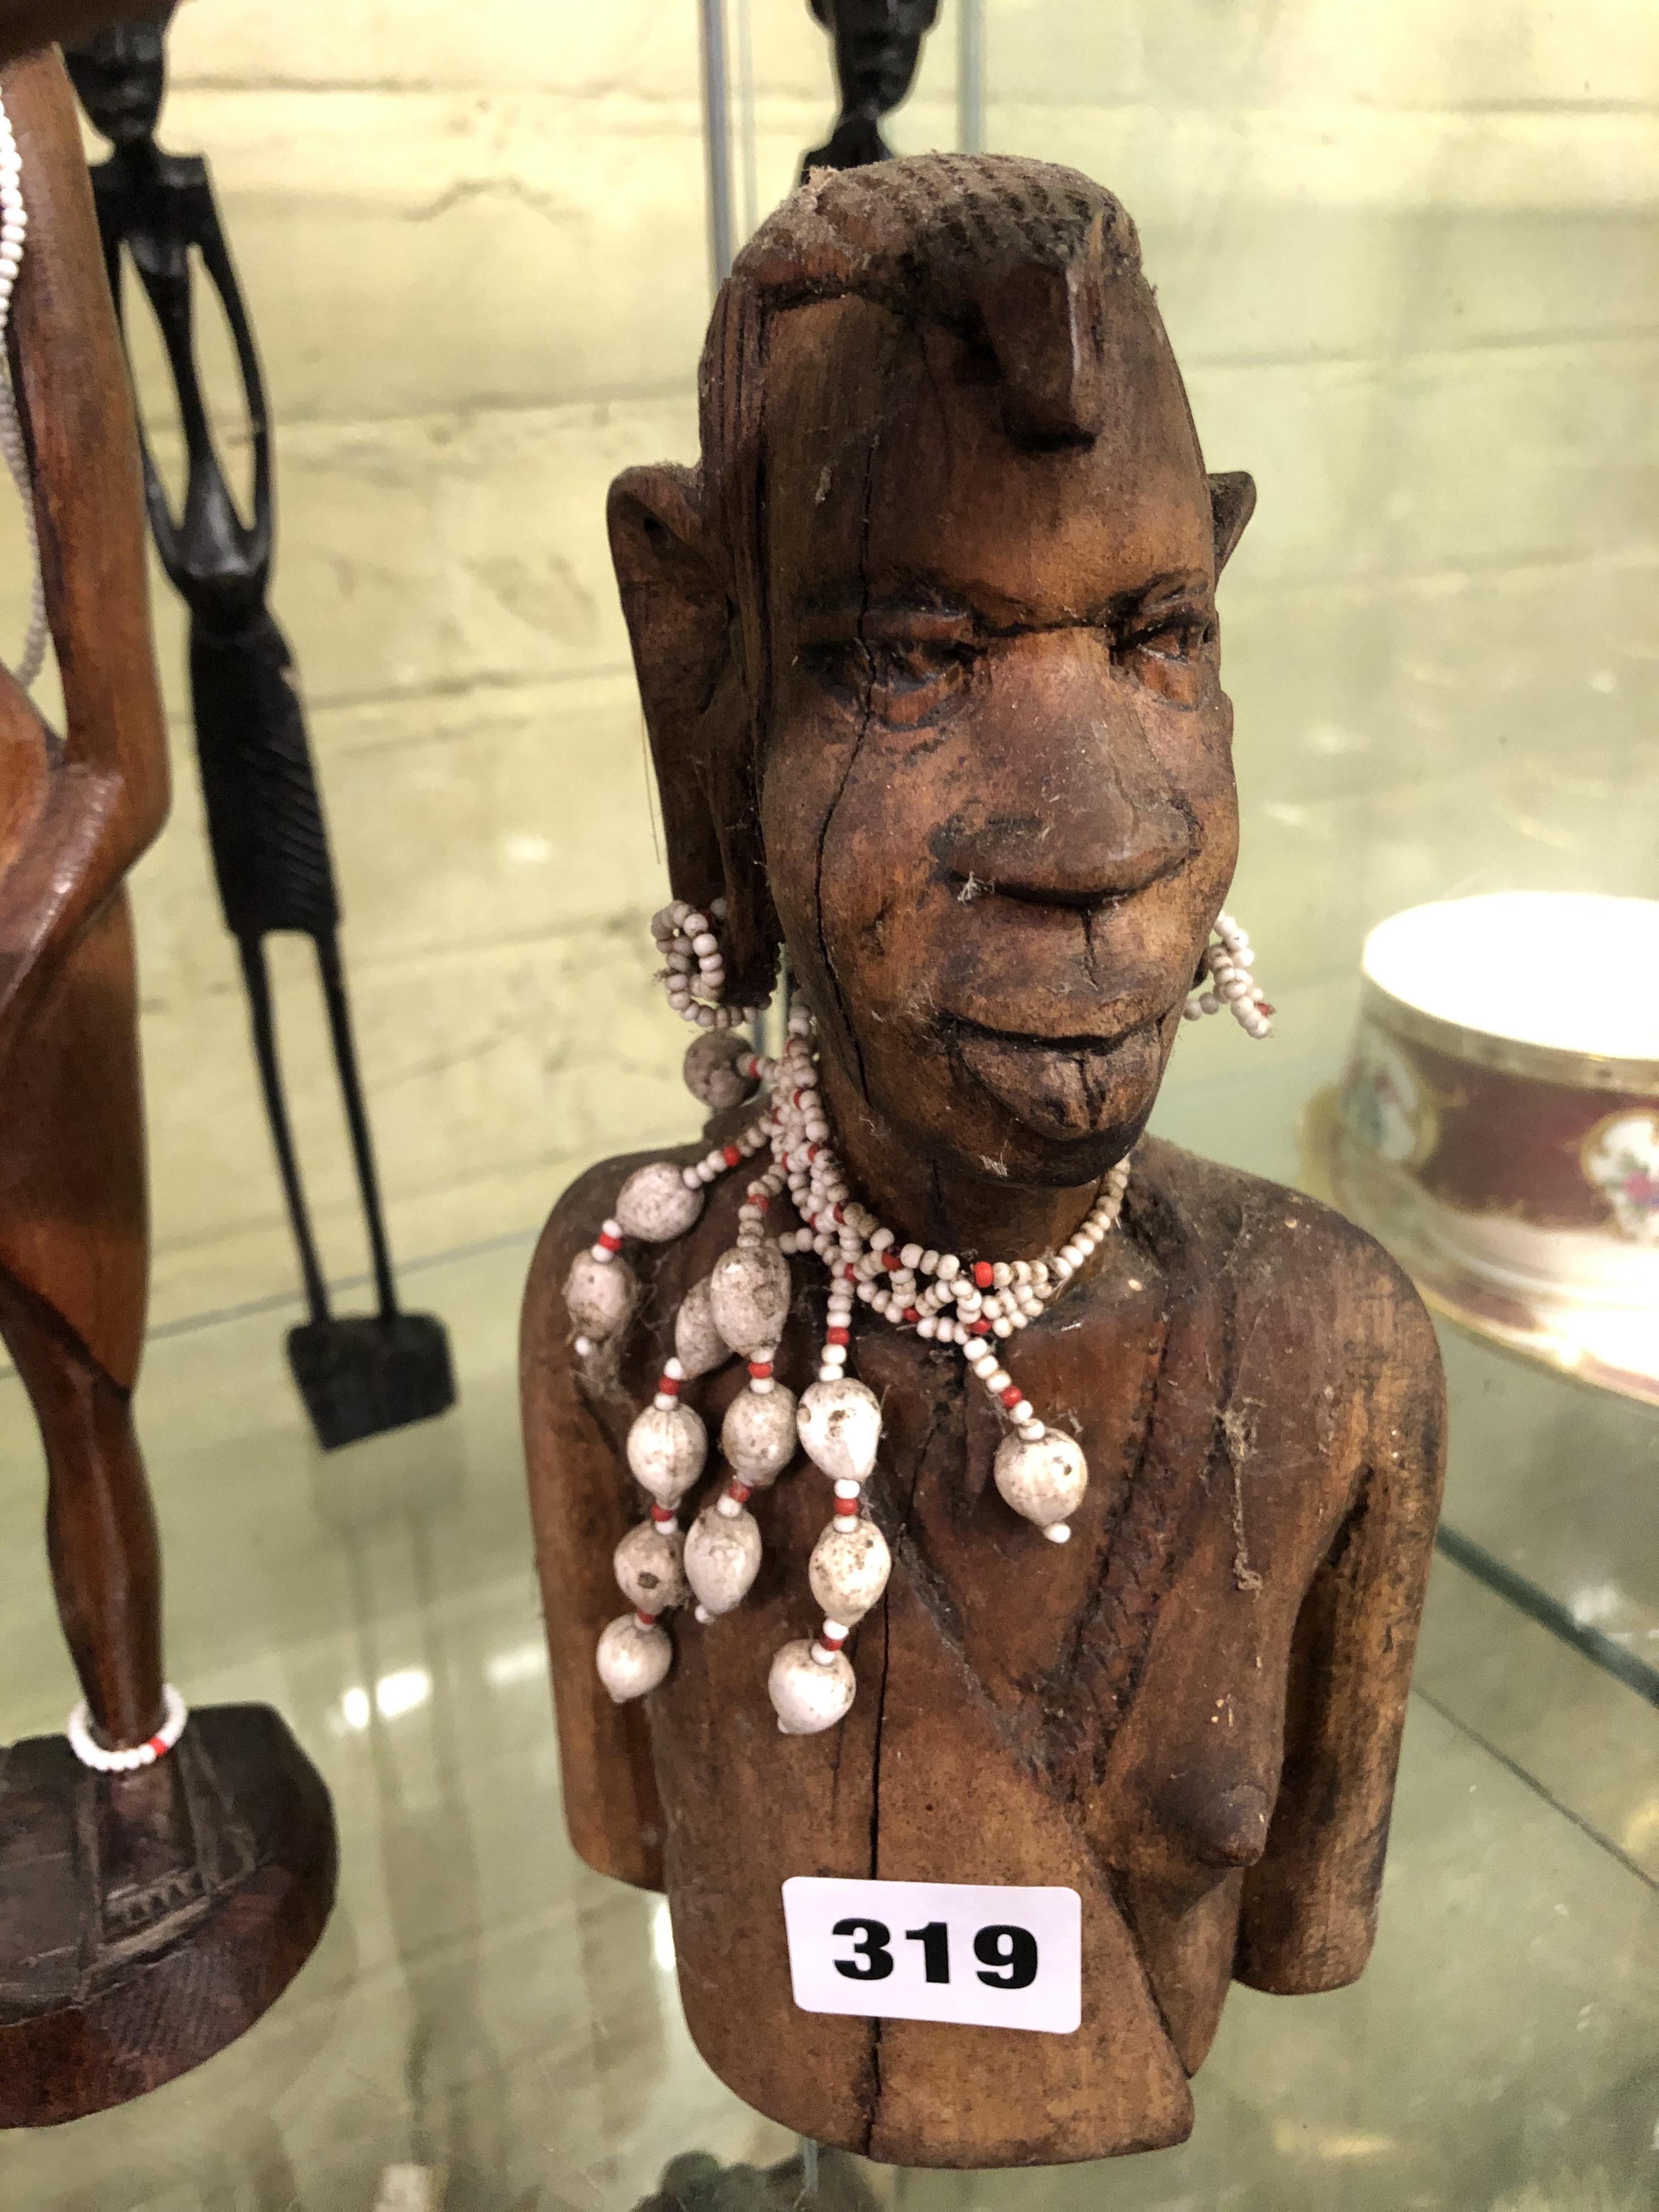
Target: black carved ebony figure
x=357, y=1375
x=877, y=44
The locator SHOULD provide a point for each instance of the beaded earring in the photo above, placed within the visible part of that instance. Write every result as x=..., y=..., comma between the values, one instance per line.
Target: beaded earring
x=1225, y=980
x=693, y=972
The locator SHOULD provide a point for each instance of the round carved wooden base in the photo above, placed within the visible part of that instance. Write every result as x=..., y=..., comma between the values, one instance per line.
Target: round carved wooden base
x=147, y=1919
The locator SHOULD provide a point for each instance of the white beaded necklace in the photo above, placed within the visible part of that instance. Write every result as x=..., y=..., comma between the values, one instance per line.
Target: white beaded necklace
x=741, y=1310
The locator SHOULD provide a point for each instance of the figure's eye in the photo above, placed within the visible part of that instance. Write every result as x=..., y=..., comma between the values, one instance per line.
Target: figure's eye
x=912, y=679
x=1174, y=656
x=1175, y=640
x=903, y=682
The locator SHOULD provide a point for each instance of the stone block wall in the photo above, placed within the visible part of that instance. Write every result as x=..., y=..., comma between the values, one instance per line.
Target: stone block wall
x=1407, y=257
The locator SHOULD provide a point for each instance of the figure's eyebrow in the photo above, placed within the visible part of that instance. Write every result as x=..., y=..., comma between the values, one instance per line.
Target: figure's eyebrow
x=845, y=614
x=946, y=617
x=1186, y=587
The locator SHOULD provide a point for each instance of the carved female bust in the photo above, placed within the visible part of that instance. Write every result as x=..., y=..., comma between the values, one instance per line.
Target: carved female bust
x=928, y=649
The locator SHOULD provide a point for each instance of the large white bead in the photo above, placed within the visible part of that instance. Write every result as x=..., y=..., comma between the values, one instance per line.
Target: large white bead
x=722, y=1559
x=666, y=1447
x=600, y=1295
x=633, y=1660
x=657, y=1203
x=698, y=1345
x=749, y=1292
x=807, y=1694
x=849, y=1570
x=649, y=1567
x=758, y=1434
x=840, y=1427
x=1045, y=1480
x=710, y=1068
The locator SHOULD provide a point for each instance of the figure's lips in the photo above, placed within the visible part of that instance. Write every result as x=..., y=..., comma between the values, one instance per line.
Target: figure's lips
x=1064, y=1087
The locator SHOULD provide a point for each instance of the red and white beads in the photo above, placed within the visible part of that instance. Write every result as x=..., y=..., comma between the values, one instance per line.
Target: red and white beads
x=1228, y=982
x=741, y=1308
x=174, y=1713
x=812, y=1684
x=635, y=1654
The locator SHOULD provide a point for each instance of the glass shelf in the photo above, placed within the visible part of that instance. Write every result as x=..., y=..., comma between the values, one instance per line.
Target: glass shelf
x=484, y=2008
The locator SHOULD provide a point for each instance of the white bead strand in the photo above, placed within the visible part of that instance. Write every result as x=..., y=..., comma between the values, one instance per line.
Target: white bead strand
x=649, y=1564
x=694, y=967
x=635, y=1653
x=667, y=1444
x=743, y=1306
x=722, y=1555
x=633, y=1656
x=757, y=1436
x=812, y=1686
x=1226, y=965
x=13, y=229
x=174, y=1713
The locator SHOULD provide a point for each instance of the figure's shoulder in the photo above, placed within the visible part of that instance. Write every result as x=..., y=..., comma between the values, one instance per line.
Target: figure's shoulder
x=1263, y=1239
x=580, y=1213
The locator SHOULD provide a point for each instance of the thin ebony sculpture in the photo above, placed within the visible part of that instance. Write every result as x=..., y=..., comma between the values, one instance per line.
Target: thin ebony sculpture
x=357, y=1375
x=877, y=44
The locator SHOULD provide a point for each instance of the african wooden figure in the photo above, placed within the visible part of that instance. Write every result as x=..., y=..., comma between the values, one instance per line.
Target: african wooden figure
x=878, y=44
x=928, y=653
x=270, y=850
x=162, y=1882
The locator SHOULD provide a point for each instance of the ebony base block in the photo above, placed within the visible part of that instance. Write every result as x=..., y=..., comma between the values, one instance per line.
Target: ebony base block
x=360, y=1374
x=147, y=1919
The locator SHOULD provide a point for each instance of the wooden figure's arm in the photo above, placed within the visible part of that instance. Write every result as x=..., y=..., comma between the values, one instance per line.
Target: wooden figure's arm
x=1310, y=1912
x=102, y=802
x=582, y=1503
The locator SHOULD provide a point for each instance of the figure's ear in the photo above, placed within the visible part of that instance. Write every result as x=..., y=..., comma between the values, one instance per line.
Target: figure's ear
x=678, y=626
x=680, y=622
x=1233, y=502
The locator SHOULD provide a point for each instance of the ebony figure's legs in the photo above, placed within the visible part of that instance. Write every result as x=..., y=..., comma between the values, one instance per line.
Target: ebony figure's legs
x=362, y=1151
x=257, y=981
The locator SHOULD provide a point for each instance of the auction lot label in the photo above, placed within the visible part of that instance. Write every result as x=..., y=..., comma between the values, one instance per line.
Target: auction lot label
x=977, y=1954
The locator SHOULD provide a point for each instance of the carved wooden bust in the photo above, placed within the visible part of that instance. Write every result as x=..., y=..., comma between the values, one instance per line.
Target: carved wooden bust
x=927, y=647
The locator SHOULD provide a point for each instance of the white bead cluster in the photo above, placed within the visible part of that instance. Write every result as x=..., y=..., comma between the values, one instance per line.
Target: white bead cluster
x=14, y=228
x=742, y=1308
x=175, y=1713
x=1228, y=982
x=693, y=966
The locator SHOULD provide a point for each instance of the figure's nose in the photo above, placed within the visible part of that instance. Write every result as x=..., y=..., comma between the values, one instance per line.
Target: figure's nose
x=1075, y=808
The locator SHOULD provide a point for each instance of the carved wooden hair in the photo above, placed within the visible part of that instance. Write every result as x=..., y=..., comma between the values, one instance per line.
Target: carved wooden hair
x=1023, y=261
x=1012, y=254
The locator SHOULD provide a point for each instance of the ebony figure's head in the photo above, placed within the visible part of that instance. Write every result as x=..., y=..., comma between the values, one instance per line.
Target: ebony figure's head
x=929, y=652
x=878, y=44
x=120, y=77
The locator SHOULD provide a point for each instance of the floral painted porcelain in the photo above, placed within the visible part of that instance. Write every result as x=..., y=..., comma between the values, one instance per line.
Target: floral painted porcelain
x=1498, y=1122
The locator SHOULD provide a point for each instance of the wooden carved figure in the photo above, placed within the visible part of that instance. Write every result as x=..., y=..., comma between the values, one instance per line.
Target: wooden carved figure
x=162, y=1874
x=1132, y=1461
x=358, y=1376
x=878, y=44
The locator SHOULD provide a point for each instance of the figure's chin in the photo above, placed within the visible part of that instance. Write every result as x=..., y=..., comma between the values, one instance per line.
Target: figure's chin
x=1076, y=1097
